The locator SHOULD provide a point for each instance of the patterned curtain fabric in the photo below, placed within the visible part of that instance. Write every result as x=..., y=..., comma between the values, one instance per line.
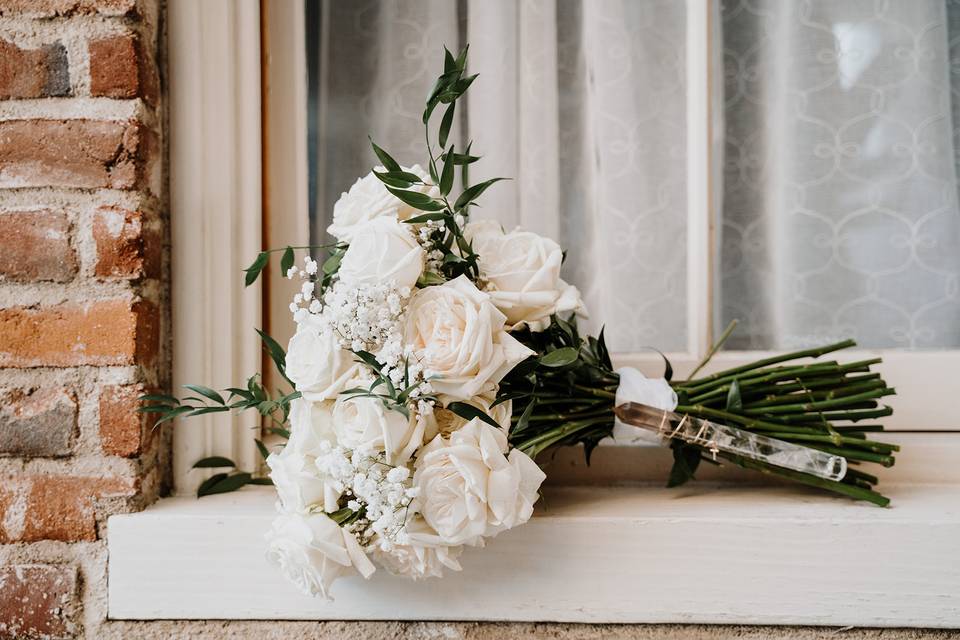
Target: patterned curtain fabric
x=839, y=198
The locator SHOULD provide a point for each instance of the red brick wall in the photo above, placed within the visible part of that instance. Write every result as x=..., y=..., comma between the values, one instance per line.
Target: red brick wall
x=82, y=298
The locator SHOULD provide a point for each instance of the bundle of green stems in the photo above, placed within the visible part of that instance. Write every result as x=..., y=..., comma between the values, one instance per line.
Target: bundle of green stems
x=794, y=397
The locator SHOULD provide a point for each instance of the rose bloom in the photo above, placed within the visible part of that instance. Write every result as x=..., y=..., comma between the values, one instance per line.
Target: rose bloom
x=458, y=336
x=368, y=198
x=470, y=487
x=522, y=270
x=425, y=557
x=364, y=422
x=293, y=471
x=383, y=250
x=315, y=363
x=312, y=551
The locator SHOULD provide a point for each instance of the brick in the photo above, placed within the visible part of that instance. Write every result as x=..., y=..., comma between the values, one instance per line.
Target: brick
x=72, y=153
x=55, y=507
x=41, y=423
x=105, y=332
x=33, y=73
x=53, y=8
x=35, y=245
x=38, y=601
x=124, y=248
x=121, y=427
x=119, y=68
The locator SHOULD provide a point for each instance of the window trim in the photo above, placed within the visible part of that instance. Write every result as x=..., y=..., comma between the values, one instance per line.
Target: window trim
x=215, y=217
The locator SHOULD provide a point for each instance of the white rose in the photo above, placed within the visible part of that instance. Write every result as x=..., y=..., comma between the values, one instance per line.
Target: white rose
x=312, y=551
x=417, y=562
x=522, y=270
x=293, y=471
x=382, y=250
x=361, y=422
x=459, y=338
x=469, y=488
x=368, y=198
x=317, y=366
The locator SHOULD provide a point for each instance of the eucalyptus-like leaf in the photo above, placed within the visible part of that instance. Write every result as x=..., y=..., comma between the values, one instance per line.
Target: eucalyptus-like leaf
x=286, y=261
x=446, y=177
x=560, y=357
x=331, y=264
x=213, y=462
x=206, y=392
x=224, y=485
x=469, y=412
x=734, y=401
x=277, y=354
x=445, y=124
x=385, y=158
x=253, y=271
x=417, y=200
x=426, y=217
x=472, y=193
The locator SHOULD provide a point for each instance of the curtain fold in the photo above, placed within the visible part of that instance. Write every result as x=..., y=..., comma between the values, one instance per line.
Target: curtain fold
x=839, y=196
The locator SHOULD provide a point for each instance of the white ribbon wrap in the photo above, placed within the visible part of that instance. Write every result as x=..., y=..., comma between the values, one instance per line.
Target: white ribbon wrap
x=653, y=392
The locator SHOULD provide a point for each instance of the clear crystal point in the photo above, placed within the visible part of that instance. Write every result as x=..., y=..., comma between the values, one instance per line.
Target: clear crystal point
x=727, y=439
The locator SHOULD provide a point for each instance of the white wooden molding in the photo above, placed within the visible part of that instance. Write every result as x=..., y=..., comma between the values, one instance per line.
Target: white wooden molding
x=215, y=190
x=632, y=554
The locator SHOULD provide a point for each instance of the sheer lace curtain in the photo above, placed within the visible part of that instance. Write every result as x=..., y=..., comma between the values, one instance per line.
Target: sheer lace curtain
x=839, y=196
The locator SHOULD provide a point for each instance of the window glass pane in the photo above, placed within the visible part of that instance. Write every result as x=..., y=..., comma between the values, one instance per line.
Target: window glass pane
x=581, y=102
x=839, y=213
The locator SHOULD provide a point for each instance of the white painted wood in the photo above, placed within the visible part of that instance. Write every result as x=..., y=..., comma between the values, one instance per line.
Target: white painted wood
x=215, y=215
x=287, y=221
x=638, y=554
x=699, y=183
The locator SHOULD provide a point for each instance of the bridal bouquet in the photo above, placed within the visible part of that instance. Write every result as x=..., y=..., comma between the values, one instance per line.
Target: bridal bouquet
x=436, y=357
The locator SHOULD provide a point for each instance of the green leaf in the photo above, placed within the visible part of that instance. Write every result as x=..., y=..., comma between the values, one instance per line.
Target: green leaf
x=446, y=177
x=224, y=485
x=253, y=271
x=173, y=413
x=429, y=278
x=449, y=64
x=204, y=488
x=734, y=401
x=213, y=462
x=266, y=481
x=277, y=354
x=417, y=200
x=332, y=263
x=206, y=392
x=385, y=159
x=474, y=192
x=278, y=431
x=686, y=459
x=262, y=448
x=426, y=217
x=560, y=357
x=462, y=58
x=469, y=412
x=286, y=261
x=161, y=397
x=445, y=124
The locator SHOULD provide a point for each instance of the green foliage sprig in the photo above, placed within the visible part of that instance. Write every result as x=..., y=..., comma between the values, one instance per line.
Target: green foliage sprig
x=447, y=237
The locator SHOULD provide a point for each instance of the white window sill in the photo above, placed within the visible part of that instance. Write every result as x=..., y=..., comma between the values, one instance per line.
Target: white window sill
x=704, y=554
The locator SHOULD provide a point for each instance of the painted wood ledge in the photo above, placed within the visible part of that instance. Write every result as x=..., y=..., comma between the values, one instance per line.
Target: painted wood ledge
x=705, y=554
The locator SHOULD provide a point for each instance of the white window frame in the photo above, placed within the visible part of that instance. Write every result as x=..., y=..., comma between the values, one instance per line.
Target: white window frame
x=184, y=558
